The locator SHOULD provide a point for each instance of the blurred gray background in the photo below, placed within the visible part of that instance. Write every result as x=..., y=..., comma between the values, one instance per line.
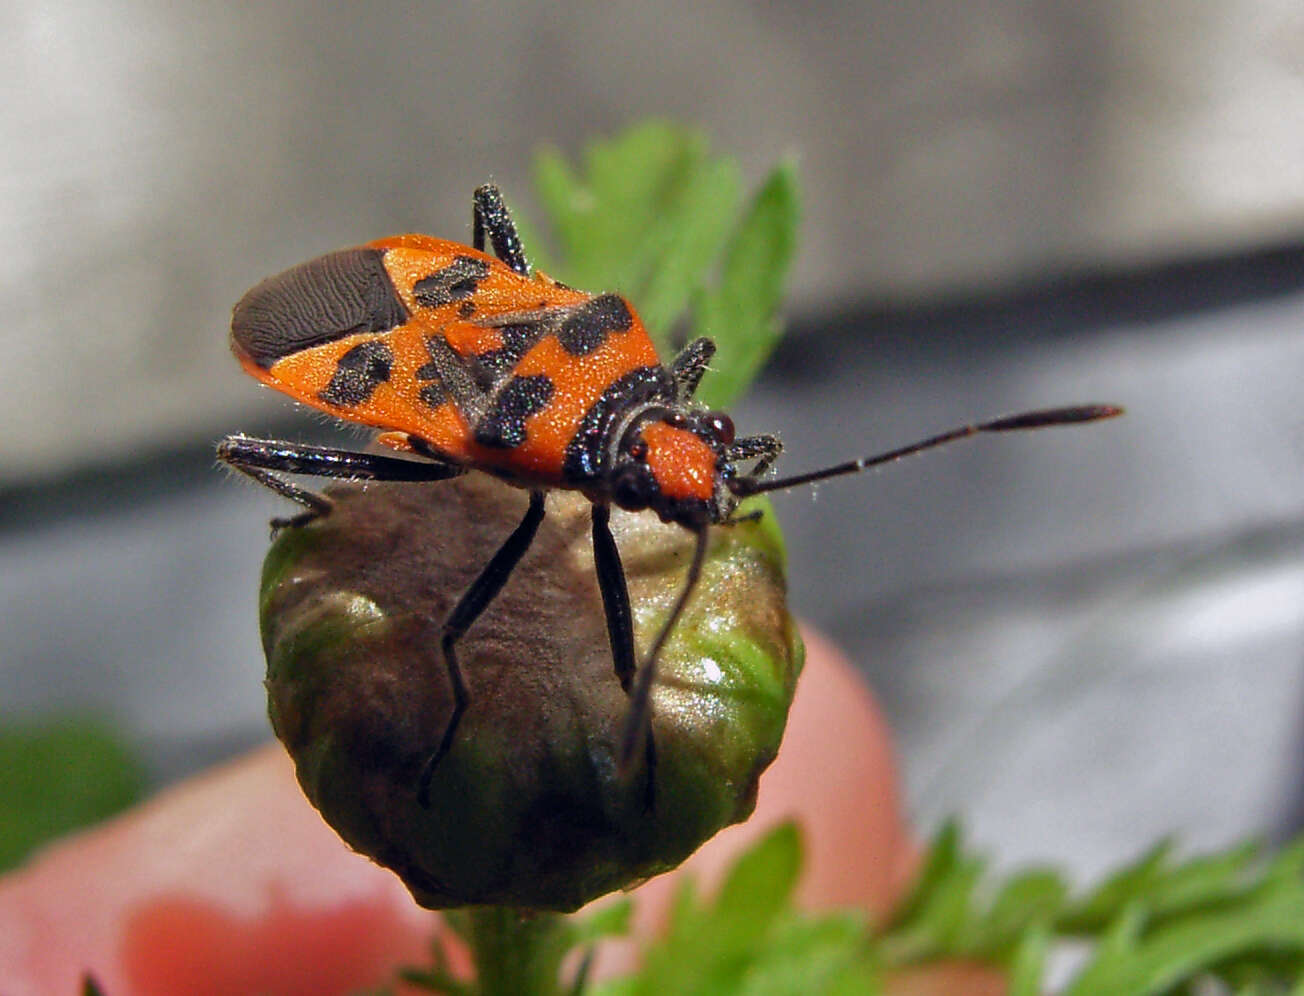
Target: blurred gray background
x=1084, y=639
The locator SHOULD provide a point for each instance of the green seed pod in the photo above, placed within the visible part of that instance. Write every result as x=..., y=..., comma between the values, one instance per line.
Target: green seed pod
x=527, y=808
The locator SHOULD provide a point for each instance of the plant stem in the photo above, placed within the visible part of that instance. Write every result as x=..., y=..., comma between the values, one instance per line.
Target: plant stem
x=516, y=953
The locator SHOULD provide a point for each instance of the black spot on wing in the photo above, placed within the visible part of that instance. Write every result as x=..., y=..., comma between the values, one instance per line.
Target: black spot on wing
x=587, y=326
x=359, y=372
x=503, y=426
x=324, y=300
x=490, y=367
x=433, y=395
x=586, y=454
x=493, y=365
x=455, y=282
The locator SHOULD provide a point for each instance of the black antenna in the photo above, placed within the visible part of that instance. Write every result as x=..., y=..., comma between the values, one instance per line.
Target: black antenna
x=746, y=486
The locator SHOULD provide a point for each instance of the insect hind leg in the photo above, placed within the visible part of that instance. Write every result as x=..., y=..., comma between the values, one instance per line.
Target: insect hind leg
x=265, y=460
x=315, y=505
x=489, y=215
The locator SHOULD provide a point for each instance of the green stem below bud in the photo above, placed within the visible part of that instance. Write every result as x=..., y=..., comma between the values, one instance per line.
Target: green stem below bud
x=516, y=953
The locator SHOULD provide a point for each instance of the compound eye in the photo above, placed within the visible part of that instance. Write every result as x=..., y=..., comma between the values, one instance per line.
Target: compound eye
x=676, y=420
x=722, y=425
x=630, y=489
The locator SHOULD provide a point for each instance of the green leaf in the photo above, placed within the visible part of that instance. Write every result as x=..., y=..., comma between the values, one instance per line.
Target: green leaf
x=1111, y=953
x=1033, y=896
x=1204, y=881
x=740, y=314
x=648, y=214
x=58, y=776
x=1028, y=965
x=822, y=953
x=1105, y=901
x=616, y=217
x=610, y=920
x=1287, y=865
x=703, y=216
x=940, y=861
x=717, y=946
x=938, y=916
x=1157, y=927
x=1128, y=964
x=760, y=883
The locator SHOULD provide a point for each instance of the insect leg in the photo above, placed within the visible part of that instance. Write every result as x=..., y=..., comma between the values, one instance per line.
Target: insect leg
x=615, y=596
x=265, y=460
x=640, y=707
x=489, y=214
x=689, y=366
x=473, y=602
x=765, y=449
x=620, y=621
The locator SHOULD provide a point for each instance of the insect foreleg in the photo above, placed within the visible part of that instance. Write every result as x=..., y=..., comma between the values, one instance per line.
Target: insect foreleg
x=688, y=367
x=764, y=449
x=620, y=621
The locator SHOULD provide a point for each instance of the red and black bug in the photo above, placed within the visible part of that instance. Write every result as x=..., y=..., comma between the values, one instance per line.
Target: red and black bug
x=471, y=362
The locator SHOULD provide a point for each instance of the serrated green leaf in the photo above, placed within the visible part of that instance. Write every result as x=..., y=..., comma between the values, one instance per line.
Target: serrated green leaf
x=1032, y=896
x=627, y=986
x=1028, y=964
x=692, y=235
x=648, y=214
x=610, y=920
x=1111, y=955
x=684, y=905
x=459, y=922
x=58, y=776
x=945, y=919
x=940, y=914
x=1154, y=963
x=1287, y=864
x=717, y=947
x=1104, y=903
x=941, y=858
x=761, y=882
x=821, y=954
x=741, y=312
x=1203, y=881
x=612, y=218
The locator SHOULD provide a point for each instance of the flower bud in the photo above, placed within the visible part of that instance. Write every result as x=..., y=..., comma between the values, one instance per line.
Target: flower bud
x=527, y=808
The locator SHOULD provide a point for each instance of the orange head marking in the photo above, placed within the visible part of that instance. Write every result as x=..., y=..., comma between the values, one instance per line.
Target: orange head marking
x=682, y=463
x=674, y=461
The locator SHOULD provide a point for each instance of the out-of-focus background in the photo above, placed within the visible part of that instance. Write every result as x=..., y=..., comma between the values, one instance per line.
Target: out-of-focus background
x=1084, y=639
